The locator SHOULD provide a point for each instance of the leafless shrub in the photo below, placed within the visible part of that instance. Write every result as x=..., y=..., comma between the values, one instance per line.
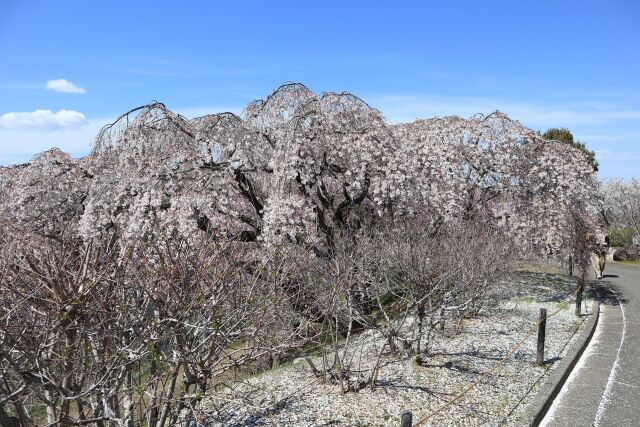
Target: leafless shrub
x=427, y=276
x=400, y=280
x=108, y=340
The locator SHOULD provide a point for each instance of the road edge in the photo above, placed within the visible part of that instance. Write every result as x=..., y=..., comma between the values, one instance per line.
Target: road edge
x=537, y=409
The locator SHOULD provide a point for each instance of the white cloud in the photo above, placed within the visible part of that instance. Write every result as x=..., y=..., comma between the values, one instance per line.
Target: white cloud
x=43, y=120
x=64, y=86
x=20, y=145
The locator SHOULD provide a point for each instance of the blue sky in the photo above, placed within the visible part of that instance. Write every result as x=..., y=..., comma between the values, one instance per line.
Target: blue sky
x=546, y=63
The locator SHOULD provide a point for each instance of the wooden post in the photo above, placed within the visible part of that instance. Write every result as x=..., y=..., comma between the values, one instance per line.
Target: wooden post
x=542, y=325
x=406, y=418
x=579, y=298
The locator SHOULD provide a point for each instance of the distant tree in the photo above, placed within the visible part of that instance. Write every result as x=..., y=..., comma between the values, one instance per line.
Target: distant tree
x=565, y=135
x=619, y=205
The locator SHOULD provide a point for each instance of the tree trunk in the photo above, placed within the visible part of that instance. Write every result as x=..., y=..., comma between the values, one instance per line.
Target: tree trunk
x=418, y=351
x=570, y=265
x=128, y=399
x=168, y=397
x=51, y=408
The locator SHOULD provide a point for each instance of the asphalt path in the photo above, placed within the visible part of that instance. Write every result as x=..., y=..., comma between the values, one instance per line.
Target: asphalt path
x=604, y=388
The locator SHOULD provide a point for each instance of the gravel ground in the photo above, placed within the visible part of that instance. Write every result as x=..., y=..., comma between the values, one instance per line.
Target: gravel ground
x=291, y=395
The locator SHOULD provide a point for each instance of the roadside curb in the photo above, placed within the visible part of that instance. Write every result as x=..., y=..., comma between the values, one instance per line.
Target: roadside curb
x=542, y=401
x=624, y=264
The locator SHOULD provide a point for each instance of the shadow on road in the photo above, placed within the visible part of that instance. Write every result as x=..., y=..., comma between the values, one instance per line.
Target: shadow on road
x=607, y=292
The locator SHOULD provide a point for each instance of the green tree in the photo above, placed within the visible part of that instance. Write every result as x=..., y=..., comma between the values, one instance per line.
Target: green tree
x=565, y=135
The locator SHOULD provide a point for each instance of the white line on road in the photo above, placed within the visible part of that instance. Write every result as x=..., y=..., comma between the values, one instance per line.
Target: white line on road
x=616, y=365
x=548, y=418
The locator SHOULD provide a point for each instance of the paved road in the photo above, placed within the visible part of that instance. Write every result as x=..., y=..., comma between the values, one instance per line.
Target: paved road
x=604, y=389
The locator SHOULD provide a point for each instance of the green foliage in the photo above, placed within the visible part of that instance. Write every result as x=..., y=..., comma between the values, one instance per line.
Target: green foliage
x=565, y=136
x=619, y=237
